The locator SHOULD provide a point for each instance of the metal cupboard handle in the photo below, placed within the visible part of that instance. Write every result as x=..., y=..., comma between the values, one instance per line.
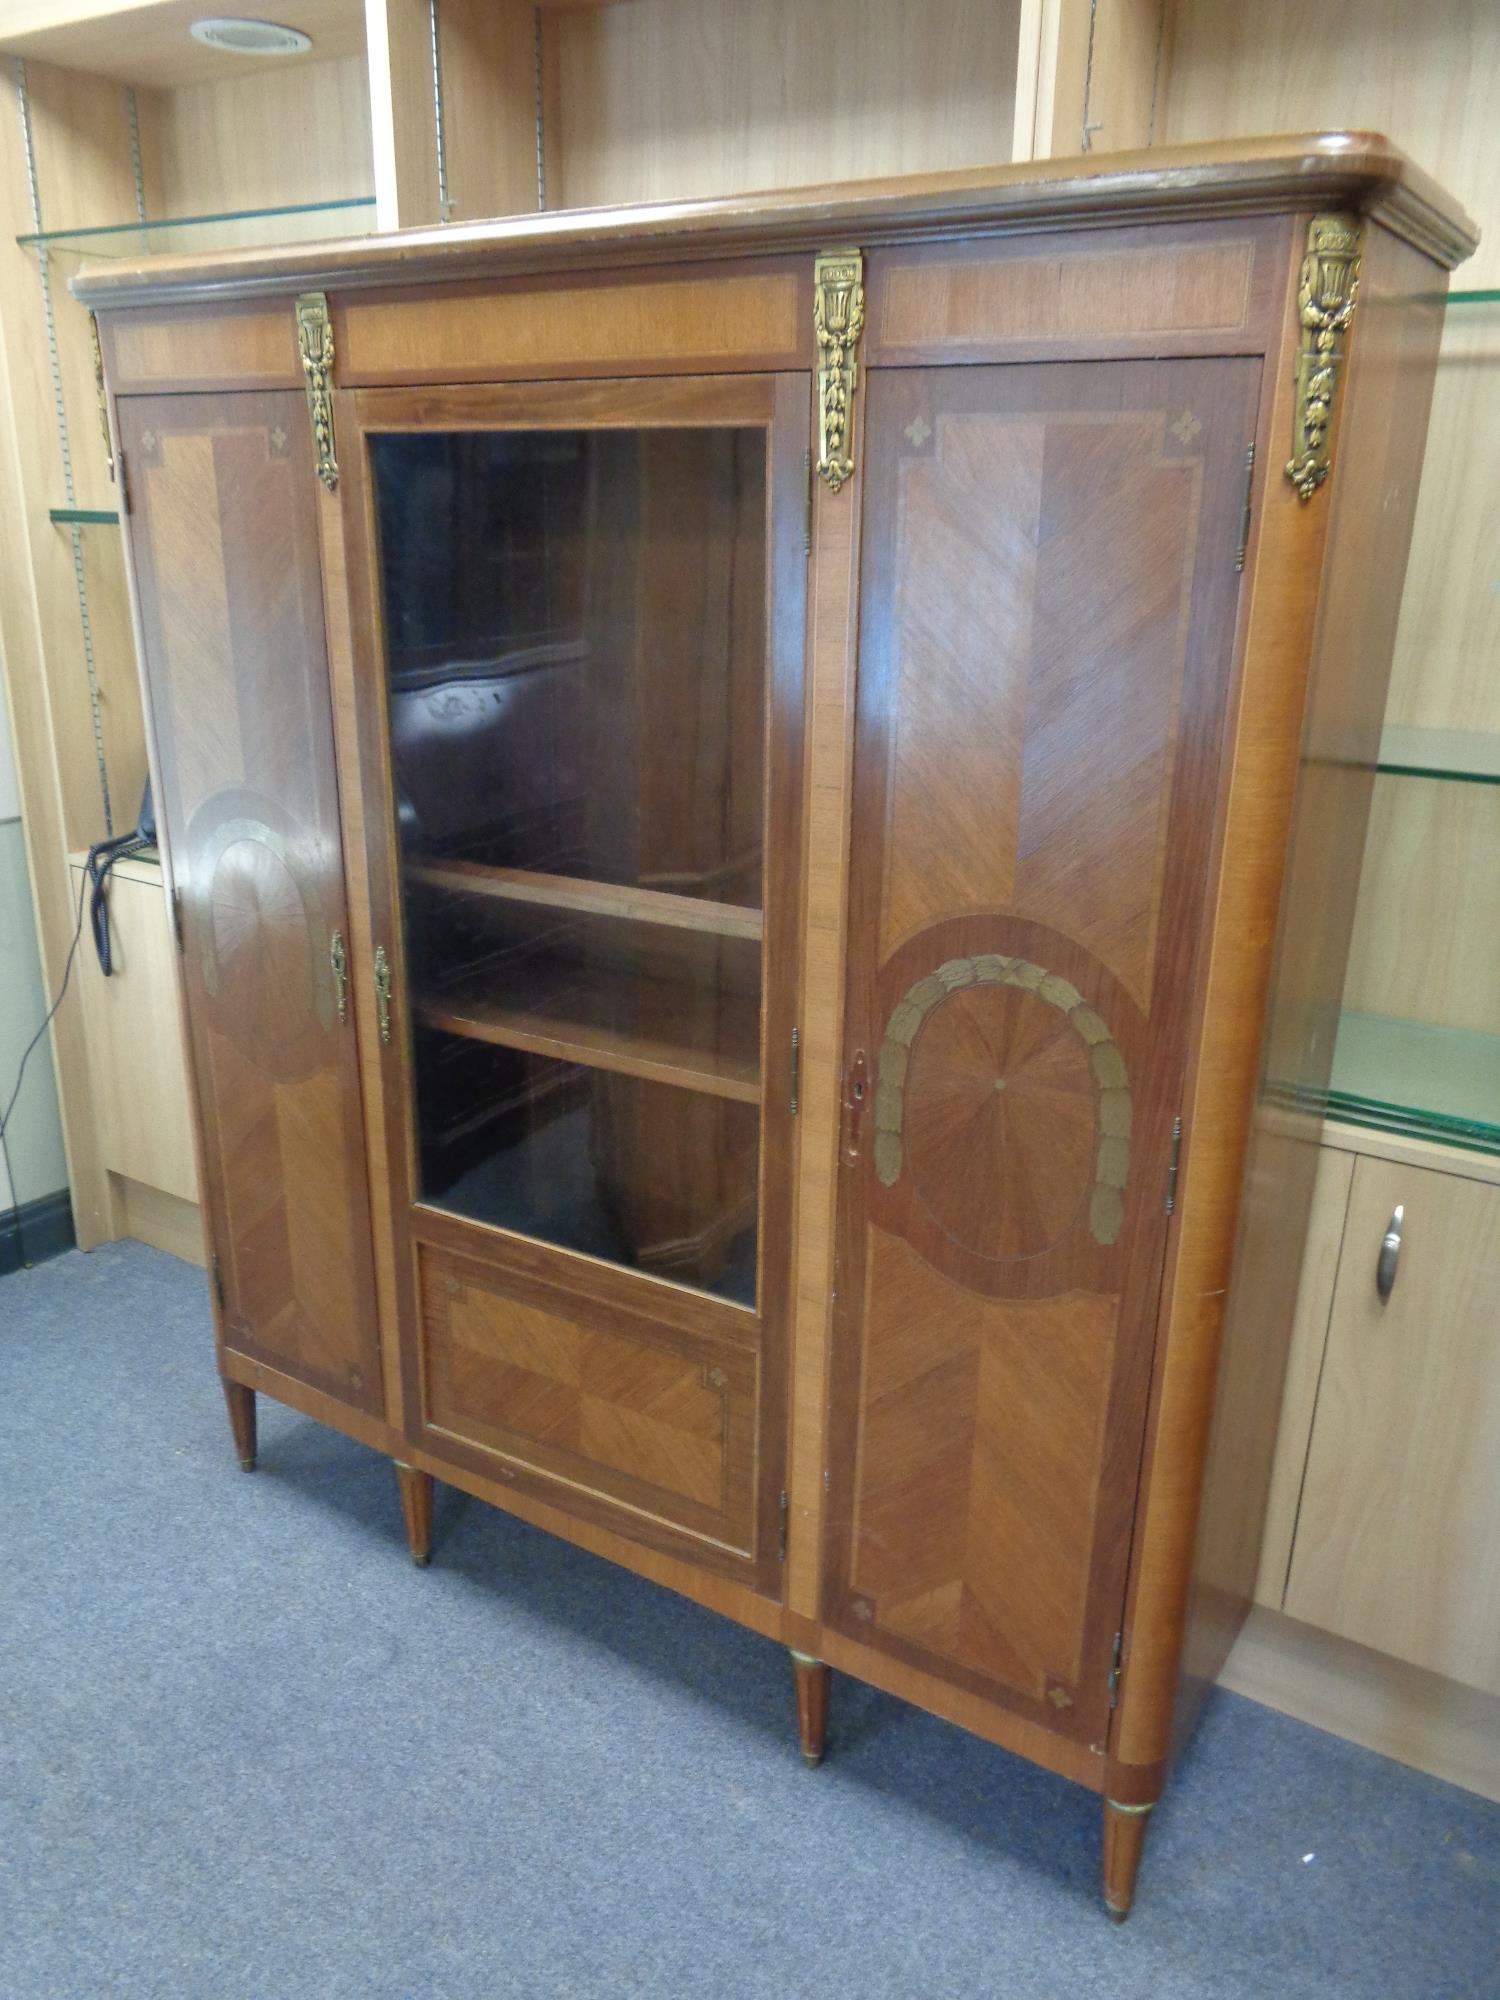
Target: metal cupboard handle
x=1388, y=1262
x=856, y=1085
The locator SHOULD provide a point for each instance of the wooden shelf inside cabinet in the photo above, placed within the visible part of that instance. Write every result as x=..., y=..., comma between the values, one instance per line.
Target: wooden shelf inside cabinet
x=596, y=1018
x=597, y=899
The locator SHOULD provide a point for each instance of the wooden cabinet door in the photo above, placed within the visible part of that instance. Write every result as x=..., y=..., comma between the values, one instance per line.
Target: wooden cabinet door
x=1046, y=623
x=224, y=540
x=1398, y=1544
x=580, y=615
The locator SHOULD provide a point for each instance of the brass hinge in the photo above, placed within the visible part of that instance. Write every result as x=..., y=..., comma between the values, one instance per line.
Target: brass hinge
x=781, y=1527
x=796, y=1077
x=1114, y=1669
x=1244, y=541
x=1325, y=307
x=218, y=1281
x=177, y=918
x=807, y=501
x=315, y=345
x=1172, y=1170
x=838, y=322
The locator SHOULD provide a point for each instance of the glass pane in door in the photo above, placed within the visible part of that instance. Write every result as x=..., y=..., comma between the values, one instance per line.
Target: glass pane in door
x=575, y=652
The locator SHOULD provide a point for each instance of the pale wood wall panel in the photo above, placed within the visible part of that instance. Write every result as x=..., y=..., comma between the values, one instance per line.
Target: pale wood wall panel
x=1096, y=64
x=1449, y=638
x=489, y=107
x=1425, y=76
x=267, y=140
x=402, y=118
x=1427, y=933
x=668, y=98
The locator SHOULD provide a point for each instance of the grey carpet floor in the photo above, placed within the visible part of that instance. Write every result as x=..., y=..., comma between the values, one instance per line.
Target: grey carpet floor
x=248, y=1752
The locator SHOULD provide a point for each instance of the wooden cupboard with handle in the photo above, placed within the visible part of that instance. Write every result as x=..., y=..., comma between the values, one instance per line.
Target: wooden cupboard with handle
x=1396, y=1545
x=736, y=777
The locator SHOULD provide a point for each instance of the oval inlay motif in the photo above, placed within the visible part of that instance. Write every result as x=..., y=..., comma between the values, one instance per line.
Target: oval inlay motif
x=991, y=1068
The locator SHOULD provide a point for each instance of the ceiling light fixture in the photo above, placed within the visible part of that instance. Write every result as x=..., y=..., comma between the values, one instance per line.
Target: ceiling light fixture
x=249, y=38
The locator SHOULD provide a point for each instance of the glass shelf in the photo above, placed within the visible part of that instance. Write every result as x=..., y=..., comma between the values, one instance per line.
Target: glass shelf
x=235, y=230
x=1414, y=1078
x=83, y=517
x=1467, y=756
x=1480, y=298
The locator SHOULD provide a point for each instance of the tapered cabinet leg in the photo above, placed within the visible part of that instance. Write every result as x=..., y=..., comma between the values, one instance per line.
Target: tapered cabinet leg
x=416, y=1505
x=1124, y=1837
x=812, y=1706
x=241, y=1402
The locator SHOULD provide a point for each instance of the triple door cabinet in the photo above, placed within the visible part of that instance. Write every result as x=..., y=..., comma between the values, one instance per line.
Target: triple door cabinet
x=730, y=777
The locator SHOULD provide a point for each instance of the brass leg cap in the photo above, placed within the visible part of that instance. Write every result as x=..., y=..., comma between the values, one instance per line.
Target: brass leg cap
x=247, y=1465
x=812, y=1759
x=1115, y=1914
x=422, y=1561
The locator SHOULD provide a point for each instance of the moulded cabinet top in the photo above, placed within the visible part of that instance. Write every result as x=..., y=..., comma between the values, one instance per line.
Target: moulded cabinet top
x=1362, y=171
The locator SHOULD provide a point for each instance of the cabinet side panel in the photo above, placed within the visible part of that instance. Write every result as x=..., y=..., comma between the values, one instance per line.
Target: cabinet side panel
x=224, y=537
x=1292, y=835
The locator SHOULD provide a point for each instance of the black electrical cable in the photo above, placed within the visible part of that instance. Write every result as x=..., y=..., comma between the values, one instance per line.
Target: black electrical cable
x=5, y=1117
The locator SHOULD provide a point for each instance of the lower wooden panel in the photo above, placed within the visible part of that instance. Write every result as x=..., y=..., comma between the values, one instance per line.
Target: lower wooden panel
x=134, y=1020
x=731, y=1598
x=614, y=1412
x=311, y=1402
x=165, y=1221
x=1022, y=1737
x=1403, y=1712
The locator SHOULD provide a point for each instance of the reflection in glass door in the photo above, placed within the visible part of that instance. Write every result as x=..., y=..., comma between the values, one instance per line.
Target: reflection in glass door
x=576, y=660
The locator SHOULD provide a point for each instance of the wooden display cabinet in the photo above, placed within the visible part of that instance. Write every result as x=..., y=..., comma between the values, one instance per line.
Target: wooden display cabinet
x=732, y=773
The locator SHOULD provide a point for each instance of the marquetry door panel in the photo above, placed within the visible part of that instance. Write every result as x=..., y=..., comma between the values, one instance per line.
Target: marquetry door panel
x=579, y=643
x=225, y=545
x=1047, y=609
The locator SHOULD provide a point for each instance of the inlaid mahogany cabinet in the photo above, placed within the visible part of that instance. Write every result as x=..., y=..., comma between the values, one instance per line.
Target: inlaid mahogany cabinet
x=745, y=786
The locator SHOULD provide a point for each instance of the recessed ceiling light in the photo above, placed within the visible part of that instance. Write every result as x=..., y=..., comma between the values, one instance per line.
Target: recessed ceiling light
x=250, y=38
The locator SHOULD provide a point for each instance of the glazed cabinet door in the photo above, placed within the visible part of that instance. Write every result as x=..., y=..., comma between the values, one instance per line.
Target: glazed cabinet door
x=583, y=684
x=224, y=543
x=1046, y=629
